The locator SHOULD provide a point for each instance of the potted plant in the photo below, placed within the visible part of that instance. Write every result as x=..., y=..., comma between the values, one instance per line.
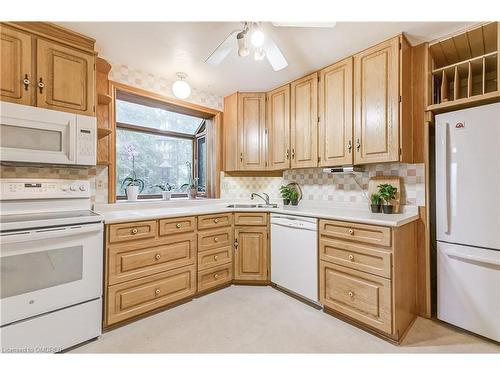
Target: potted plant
x=193, y=182
x=294, y=197
x=285, y=194
x=375, y=202
x=133, y=185
x=387, y=193
x=166, y=190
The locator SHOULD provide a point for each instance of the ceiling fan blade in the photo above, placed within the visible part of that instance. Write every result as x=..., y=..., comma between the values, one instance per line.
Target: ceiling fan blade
x=274, y=55
x=304, y=24
x=222, y=49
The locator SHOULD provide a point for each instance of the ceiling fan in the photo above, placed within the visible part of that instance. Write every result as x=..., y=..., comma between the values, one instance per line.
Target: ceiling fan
x=263, y=45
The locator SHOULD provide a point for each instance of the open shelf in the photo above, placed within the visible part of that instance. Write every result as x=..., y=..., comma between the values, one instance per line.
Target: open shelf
x=464, y=68
x=104, y=99
x=103, y=132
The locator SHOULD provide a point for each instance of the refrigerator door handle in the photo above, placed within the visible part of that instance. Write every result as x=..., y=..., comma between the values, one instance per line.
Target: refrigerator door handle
x=445, y=176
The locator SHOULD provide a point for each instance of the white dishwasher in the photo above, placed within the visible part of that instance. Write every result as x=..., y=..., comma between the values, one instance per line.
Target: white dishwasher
x=294, y=255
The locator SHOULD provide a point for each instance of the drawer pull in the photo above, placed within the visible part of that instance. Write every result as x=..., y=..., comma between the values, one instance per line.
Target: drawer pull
x=157, y=256
x=134, y=230
x=351, y=257
x=216, y=257
x=351, y=231
x=157, y=291
x=216, y=221
x=350, y=294
x=216, y=239
x=178, y=225
x=216, y=275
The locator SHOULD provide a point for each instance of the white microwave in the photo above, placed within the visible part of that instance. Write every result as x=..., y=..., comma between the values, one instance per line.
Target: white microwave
x=38, y=135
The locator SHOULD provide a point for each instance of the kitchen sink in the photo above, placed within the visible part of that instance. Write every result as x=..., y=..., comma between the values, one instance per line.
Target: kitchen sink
x=270, y=205
x=241, y=206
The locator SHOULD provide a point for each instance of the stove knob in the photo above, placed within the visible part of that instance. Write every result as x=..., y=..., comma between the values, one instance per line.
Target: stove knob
x=64, y=187
x=83, y=188
x=72, y=188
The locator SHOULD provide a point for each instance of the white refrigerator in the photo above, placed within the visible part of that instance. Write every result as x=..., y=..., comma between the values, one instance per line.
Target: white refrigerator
x=468, y=219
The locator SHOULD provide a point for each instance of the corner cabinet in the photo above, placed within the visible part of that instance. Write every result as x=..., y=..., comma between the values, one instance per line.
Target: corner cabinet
x=304, y=122
x=335, y=113
x=381, y=96
x=245, y=132
x=47, y=66
x=278, y=128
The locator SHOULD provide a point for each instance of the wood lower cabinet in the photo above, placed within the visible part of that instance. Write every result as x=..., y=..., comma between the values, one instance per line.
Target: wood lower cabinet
x=368, y=274
x=278, y=128
x=381, y=103
x=251, y=253
x=17, y=81
x=304, y=122
x=47, y=66
x=335, y=113
x=215, y=277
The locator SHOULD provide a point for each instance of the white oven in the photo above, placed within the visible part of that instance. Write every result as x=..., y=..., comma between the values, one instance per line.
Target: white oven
x=49, y=268
x=39, y=135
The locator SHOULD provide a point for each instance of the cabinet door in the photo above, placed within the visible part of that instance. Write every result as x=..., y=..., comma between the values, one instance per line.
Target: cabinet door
x=251, y=131
x=16, y=66
x=376, y=103
x=278, y=128
x=250, y=257
x=67, y=76
x=304, y=121
x=335, y=112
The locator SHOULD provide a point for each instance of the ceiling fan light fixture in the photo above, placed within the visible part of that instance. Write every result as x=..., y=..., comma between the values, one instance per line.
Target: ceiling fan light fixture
x=257, y=38
x=242, y=48
x=180, y=87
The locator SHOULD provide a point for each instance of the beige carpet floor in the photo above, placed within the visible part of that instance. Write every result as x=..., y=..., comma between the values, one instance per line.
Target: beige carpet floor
x=247, y=319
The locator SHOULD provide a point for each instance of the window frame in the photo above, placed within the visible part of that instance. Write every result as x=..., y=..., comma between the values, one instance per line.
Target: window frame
x=166, y=133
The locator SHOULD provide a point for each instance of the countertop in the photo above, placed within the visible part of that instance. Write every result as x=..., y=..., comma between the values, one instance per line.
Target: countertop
x=157, y=209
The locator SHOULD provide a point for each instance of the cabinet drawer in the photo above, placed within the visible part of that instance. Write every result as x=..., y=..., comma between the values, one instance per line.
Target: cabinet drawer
x=132, y=231
x=354, y=255
x=215, y=257
x=213, y=239
x=370, y=234
x=177, y=225
x=215, y=276
x=136, y=297
x=215, y=221
x=250, y=218
x=134, y=261
x=359, y=295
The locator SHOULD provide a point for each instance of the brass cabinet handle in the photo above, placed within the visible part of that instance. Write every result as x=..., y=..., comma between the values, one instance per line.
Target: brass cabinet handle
x=351, y=231
x=41, y=85
x=157, y=256
x=216, y=275
x=349, y=146
x=134, y=230
x=216, y=257
x=287, y=154
x=178, y=225
x=157, y=291
x=236, y=243
x=216, y=221
x=241, y=156
x=216, y=239
x=350, y=294
x=293, y=153
x=26, y=82
x=351, y=257
x=358, y=145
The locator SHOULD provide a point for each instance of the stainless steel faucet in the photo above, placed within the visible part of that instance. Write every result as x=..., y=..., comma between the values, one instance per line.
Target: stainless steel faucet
x=266, y=199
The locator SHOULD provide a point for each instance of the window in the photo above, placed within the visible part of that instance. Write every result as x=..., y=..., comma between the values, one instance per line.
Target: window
x=166, y=147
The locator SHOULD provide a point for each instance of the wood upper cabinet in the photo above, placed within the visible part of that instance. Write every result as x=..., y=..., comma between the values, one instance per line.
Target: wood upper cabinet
x=17, y=81
x=244, y=132
x=67, y=76
x=278, y=128
x=250, y=256
x=304, y=122
x=335, y=112
x=379, y=115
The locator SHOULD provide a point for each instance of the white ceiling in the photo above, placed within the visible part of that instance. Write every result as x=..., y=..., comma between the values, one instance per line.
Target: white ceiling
x=164, y=48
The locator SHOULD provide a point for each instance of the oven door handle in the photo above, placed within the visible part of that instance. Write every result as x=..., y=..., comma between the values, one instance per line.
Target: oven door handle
x=48, y=233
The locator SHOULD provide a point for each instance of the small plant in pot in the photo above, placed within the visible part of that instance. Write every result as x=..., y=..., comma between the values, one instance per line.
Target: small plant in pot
x=294, y=197
x=387, y=193
x=133, y=185
x=375, y=203
x=285, y=194
x=192, y=185
x=166, y=190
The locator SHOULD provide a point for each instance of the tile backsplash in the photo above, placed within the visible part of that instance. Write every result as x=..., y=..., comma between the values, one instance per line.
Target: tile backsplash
x=318, y=186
